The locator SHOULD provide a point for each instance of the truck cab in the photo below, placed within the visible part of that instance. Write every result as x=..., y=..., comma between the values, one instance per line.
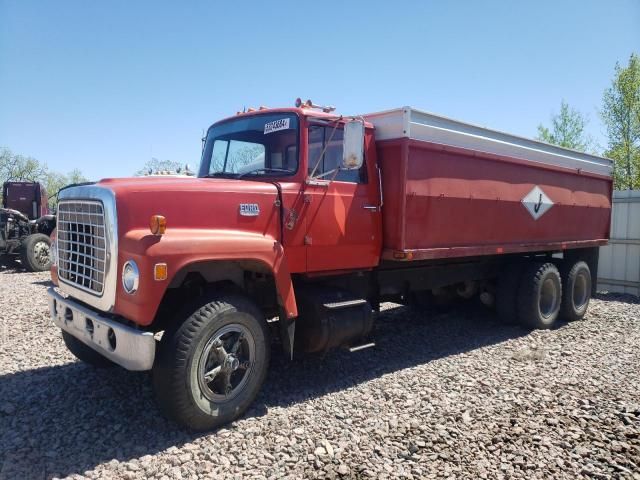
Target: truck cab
x=332, y=215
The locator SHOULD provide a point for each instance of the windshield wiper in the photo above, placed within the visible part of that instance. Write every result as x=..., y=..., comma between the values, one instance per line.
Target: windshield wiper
x=265, y=170
x=218, y=174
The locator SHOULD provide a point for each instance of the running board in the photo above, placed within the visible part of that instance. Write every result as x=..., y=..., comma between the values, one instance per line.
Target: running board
x=344, y=304
x=362, y=347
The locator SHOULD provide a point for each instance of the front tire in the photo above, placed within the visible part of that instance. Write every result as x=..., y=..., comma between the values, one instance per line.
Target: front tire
x=85, y=353
x=210, y=368
x=576, y=282
x=35, y=253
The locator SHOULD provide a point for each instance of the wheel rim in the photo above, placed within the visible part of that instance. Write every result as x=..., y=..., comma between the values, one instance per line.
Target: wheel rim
x=549, y=301
x=226, y=362
x=41, y=253
x=580, y=291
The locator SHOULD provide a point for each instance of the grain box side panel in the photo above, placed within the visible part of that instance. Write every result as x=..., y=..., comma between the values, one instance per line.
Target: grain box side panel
x=461, y=198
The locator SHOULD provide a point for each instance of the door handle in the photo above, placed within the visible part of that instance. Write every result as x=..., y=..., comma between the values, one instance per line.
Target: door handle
x=372, y=208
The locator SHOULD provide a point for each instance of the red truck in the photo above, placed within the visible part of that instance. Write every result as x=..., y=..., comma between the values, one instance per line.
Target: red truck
x=25, y=225
x=300, y=223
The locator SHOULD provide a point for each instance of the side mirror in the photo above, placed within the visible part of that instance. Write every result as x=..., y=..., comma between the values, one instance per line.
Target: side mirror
x=353, y=145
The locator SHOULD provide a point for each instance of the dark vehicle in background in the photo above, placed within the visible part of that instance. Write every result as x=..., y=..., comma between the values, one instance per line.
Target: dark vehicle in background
x=25, y=225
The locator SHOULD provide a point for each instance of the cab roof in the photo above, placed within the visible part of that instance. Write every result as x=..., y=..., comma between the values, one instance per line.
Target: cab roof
x=302, y=112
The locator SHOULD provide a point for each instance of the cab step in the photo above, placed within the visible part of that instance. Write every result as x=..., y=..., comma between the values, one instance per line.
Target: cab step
x=357, y=348
x=344, y=304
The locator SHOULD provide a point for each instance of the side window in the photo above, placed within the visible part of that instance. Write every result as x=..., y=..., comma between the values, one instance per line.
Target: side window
x=320, y=138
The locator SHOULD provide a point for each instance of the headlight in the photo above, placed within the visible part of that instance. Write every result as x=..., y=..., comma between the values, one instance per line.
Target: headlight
x=130, y=276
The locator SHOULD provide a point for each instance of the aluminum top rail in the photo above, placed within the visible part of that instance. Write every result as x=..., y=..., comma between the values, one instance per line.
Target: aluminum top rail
x=407, y=122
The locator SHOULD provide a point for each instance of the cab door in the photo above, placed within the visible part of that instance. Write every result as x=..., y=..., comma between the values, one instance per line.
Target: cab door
x=342, y=215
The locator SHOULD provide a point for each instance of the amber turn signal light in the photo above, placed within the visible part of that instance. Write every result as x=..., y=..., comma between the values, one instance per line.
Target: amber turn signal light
x=157, y=224
x=160, y=271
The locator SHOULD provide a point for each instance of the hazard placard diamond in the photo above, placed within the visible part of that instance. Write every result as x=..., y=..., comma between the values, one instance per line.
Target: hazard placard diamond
x=537, y=202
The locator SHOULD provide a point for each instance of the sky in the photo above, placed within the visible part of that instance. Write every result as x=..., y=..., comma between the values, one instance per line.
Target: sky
x=105, y=86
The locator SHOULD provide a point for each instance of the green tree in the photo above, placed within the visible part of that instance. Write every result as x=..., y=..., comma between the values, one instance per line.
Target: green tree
x=621, y=115
x=18, y=167
x=54, y=181
x=76, y=176
x=567, y=129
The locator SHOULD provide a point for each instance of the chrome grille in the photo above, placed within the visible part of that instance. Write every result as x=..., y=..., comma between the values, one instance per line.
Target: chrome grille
x=82, y=246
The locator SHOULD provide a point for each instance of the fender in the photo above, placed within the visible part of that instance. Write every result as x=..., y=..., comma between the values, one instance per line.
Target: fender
x=180, y=247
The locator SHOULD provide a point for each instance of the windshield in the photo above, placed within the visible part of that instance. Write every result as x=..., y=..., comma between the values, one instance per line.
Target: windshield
x=259, y=145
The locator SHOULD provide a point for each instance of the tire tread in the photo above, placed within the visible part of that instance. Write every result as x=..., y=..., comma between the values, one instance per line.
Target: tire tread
x=568, y=271
x=26, y=252
x=172, y=360
x=85, y=353
x=530, y=284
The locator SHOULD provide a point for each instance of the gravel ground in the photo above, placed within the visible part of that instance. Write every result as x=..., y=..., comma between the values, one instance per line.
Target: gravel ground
x=457, y=395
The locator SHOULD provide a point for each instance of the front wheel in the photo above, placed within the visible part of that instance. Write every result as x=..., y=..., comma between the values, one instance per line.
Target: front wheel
x=210, y=367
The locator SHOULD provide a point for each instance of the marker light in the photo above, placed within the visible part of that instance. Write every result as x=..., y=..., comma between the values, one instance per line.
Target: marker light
x=157, y=224
x=160, y=271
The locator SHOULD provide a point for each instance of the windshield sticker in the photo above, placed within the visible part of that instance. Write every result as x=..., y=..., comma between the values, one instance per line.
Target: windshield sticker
x=282, y=124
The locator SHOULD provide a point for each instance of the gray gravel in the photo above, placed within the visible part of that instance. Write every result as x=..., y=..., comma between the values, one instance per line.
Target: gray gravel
x=454, y=396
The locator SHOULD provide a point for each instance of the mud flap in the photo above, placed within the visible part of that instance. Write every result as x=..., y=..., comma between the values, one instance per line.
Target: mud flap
x=287, y=333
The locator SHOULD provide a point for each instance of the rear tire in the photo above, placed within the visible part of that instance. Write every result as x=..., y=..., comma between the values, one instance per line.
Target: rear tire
x=224, y=342
x=507, y=293
x=576, y=282
x=85, y=353
x=35, y=253
x=539, y=295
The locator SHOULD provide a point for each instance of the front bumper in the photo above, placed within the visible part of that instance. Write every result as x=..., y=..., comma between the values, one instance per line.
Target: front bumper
x=126, y=346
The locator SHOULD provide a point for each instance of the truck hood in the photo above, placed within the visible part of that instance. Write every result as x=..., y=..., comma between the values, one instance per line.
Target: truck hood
x=195, y=203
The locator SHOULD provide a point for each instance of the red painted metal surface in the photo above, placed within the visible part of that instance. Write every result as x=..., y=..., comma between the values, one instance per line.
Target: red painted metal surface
x=444, y=201
x=203, y=224
x=341, y=234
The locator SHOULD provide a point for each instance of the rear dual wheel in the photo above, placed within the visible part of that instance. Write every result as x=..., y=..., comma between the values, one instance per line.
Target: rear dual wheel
x=576, y=280
x=537, y=294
